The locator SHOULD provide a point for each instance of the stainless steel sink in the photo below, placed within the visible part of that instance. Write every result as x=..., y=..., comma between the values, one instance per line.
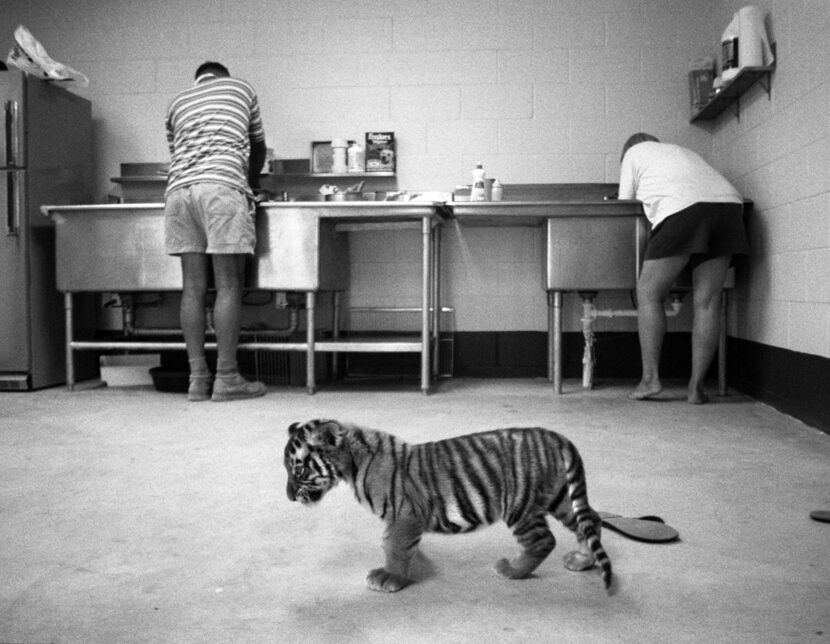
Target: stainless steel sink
x=592, y=242
x=120, y=248
x=596, y=252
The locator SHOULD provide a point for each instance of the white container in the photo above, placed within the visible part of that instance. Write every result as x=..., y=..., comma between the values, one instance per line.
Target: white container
x=357, y=158
x=745, y=43
x=338, y=155
x=128, y=370
x=478, y=192
x=497, y=193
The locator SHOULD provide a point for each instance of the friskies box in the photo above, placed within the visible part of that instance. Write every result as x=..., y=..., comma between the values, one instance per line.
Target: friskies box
x=380, y=152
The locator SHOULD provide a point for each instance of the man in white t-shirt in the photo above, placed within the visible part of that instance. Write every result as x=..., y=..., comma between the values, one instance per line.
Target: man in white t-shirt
x=697, y=218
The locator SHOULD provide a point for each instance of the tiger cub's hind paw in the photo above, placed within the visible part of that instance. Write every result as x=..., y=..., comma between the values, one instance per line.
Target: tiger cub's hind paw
x=506, y=570
x=578, y=561
x=386, y=582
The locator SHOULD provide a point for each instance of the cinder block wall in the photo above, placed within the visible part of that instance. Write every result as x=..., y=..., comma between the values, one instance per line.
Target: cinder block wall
x=537, y=90
x=778, y=152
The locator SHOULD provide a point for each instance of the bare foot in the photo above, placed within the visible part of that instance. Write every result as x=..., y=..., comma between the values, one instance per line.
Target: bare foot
x=646, y=390
x=697, y=397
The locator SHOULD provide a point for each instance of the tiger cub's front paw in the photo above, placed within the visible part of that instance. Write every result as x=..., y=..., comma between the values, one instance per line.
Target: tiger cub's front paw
x=381, y=580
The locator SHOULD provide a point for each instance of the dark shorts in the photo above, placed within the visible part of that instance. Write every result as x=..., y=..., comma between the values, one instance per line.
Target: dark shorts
x=703, y=231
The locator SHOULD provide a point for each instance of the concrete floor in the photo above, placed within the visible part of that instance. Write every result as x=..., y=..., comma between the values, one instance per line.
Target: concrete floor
x=128, y=515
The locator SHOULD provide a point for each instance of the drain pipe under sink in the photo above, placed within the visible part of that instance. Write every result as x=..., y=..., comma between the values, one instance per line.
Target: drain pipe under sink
x=131, y=329
x=591, y=313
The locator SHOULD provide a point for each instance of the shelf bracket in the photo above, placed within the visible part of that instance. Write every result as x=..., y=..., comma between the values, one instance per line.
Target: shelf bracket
x=765, y=81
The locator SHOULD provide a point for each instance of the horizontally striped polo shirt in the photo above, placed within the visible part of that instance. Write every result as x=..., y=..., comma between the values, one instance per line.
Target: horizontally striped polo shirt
x=209, y=130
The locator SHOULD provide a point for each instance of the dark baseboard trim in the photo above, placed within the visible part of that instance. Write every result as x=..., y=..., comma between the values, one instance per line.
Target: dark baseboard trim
x=524, y=354
x=787, y=380
x=791, y=382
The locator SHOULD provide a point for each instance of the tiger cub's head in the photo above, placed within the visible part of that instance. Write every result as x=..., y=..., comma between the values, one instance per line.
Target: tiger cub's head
x=310, y=459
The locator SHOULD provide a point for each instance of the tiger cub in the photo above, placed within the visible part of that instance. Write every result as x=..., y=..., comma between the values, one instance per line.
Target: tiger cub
x=453, y=485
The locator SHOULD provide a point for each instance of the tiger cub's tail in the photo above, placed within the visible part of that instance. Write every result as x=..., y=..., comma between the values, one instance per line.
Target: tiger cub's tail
x=587, y=520
x=586, y=527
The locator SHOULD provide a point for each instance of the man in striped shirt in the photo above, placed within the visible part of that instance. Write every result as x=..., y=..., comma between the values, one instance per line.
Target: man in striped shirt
x=217, y=147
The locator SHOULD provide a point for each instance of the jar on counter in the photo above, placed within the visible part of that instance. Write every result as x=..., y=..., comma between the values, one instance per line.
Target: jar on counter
x=497, y=191
x=338, y=156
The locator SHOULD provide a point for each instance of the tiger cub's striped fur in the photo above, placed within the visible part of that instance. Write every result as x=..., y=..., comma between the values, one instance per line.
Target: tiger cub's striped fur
x=453, y=485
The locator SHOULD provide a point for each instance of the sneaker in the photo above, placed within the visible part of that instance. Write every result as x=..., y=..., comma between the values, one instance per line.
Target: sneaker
x=236, y=388
x=199, y=388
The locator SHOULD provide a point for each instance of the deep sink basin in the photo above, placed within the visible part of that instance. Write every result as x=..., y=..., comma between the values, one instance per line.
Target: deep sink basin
x=120, y=248
x=592, y=242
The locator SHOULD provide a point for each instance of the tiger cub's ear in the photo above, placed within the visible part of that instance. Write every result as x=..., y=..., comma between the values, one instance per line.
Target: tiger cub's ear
x=294, y=428
x=325, y=433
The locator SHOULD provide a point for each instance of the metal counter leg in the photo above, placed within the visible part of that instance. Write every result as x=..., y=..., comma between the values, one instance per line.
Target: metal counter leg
x=426, y=265
x=311, y=385
x=70, y=362
x=436, y=300
x=335, y=333
x=555, y=340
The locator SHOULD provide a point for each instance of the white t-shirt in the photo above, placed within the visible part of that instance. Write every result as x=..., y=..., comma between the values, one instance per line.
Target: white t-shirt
x=668, y=178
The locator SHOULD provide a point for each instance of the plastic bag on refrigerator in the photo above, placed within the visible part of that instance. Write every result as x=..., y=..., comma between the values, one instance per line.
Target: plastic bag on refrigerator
x=29, y=56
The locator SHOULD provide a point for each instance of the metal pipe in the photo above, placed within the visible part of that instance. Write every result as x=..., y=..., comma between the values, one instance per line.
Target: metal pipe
x=132, y=329
x=591, y=313
x=426, y=266
x=335, y=331
x=121, y=345
x=555, y=357
x=436, y=300
x=588, y=359
x=70, y=363
x=676, y=305
x=310, y=384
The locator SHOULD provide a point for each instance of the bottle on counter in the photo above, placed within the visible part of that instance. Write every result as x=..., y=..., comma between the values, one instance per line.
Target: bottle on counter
x=478, y=192
x=497, y=193
x=357, y=158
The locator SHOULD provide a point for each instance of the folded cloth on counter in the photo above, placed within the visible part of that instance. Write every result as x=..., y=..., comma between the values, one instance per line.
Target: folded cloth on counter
x=29, y=56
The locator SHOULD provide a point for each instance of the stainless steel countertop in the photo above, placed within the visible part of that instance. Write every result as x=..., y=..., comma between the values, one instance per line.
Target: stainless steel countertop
x=534, y=213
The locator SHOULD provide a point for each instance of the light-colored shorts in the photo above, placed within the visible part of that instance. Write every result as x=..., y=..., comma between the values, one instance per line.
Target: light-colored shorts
x=209, y=218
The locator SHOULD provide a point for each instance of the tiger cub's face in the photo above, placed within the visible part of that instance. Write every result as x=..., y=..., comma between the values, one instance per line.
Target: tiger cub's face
x=310, y=474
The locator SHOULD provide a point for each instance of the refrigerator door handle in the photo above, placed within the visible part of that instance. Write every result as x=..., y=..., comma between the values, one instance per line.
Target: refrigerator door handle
x=13, y=134
x=14, y=206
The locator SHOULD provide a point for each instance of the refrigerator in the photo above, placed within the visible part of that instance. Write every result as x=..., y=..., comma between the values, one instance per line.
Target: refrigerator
x=45, y=158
